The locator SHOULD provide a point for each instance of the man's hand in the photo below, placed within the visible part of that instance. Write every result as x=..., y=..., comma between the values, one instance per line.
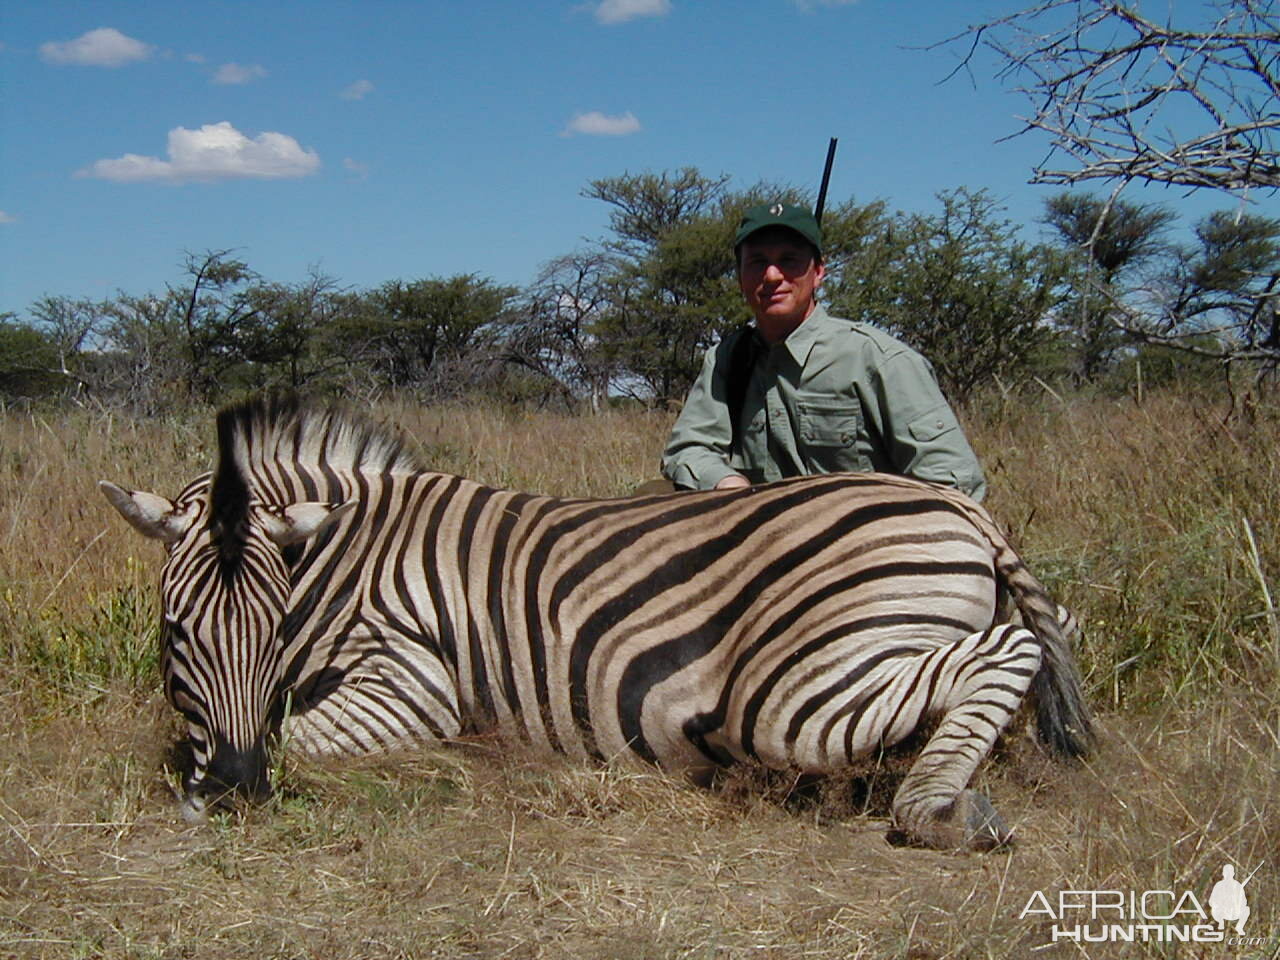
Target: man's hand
x=733, y=482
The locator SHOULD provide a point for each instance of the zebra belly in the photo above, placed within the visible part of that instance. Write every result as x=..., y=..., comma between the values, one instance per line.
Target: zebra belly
x=775, y=652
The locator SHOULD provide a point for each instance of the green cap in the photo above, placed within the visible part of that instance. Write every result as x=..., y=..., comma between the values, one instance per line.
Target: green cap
x=789, y=215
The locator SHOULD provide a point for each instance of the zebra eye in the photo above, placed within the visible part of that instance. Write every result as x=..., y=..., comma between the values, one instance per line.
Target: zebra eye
x=171, y=630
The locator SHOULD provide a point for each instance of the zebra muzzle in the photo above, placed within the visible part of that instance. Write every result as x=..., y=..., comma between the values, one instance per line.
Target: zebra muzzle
x=231, y=773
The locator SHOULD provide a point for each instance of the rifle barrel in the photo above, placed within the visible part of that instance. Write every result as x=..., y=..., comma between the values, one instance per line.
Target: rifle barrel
x=826, y=180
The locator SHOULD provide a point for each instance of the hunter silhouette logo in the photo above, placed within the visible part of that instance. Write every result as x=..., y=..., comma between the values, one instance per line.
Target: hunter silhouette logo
x=1228, y=902
x=1148, y=916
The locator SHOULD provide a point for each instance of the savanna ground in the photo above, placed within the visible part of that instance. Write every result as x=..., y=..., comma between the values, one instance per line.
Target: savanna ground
x=1155, y=521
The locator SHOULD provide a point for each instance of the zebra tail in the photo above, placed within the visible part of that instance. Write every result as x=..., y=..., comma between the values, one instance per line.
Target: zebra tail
x=1062, y=716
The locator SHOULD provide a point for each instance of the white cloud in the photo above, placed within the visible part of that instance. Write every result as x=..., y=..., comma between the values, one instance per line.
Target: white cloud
x=355, y=167
x=237, y=74
x=7, y=218
x=357, y=91
x=620, y=11
x=104, y=47
x=217, y=151
x=595, y=123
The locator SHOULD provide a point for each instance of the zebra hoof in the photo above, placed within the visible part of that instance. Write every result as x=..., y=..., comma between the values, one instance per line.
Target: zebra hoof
x=969, y=822
x=984, y=830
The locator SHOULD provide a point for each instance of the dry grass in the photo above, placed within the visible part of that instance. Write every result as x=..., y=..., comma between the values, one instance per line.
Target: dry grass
x=1135, y=515
x=1140, y=517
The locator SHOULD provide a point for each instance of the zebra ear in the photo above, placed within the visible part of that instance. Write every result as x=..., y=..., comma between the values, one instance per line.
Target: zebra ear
x=151, y=515
x=298, y=521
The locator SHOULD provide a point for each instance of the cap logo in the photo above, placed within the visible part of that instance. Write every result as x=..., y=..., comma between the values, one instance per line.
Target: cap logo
x=775, y=210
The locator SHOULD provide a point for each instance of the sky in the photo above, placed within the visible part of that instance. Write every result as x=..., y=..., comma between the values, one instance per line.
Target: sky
x=377, y=140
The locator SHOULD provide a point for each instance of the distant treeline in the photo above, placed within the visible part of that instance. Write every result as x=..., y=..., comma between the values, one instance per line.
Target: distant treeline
x=631, y=314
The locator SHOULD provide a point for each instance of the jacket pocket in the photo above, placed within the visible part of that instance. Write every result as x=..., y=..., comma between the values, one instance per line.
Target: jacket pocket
x=829, y=423
x=932, y=425
x=832, y=438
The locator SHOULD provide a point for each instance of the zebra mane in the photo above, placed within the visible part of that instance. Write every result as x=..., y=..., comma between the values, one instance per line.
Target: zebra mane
x=282, y=428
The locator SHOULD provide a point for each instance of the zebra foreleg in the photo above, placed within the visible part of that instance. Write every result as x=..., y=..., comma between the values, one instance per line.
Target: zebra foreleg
x=977, y=686
x=378, y=702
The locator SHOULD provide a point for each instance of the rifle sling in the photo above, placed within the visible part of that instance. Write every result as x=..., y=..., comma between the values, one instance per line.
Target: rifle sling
x=741, y=360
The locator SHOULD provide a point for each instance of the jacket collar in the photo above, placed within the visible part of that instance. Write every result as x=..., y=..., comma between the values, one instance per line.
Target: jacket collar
x=800, y=342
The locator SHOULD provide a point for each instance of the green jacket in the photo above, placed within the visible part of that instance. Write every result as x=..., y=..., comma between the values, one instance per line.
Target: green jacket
x=834, y=396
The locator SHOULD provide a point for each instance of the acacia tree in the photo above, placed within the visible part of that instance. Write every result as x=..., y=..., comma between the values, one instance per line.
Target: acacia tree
x=433, y=335
x=670, y=255
x=70, y=325
x=220, y=314
x=553, y=335
x=1218, y=296
x=28, y=362
x=146, y=365
x=647, y=205
x=1106, y=243
x=1190, y=101
x=284, y=348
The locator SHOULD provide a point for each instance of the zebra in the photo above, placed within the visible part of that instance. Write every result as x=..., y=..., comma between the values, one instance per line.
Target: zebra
x=324, y=586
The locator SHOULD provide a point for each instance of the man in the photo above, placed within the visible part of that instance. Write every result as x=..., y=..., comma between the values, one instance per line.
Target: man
x=808, y=392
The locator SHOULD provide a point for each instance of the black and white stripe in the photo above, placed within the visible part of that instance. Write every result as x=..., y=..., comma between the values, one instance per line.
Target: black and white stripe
x=803, y=624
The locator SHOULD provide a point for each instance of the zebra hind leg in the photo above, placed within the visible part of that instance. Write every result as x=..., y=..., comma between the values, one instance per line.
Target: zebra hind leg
x=976, y=687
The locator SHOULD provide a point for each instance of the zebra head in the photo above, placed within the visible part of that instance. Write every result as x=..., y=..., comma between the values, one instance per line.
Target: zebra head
x=224, y=594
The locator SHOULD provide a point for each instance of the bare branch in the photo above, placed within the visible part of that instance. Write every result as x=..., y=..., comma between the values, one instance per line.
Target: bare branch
x=1126, y=98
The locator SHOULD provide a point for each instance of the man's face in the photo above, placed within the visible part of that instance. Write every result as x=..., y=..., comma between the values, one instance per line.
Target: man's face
x=779, y=277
